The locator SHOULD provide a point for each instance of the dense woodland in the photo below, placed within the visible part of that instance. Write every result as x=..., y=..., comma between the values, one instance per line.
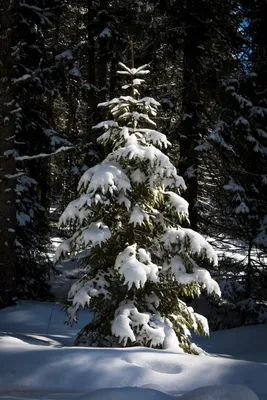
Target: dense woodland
x=208, y=63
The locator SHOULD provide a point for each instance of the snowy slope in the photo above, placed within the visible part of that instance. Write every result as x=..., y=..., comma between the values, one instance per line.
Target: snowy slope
x=43, y=319
x=31, y=368
x=27, y=367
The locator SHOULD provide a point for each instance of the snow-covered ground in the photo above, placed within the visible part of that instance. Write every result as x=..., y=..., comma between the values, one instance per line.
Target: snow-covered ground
x=38, y=362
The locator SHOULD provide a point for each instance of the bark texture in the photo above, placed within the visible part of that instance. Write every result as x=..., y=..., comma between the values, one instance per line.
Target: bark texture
x=8, y=112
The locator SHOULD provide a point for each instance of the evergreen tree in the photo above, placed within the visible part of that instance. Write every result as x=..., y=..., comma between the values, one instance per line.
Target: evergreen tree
x=140, y=262
x=236, y=158
x=35, y=136
x=9, y=110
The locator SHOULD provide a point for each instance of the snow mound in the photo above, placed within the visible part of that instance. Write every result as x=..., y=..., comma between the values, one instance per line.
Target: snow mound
x=150, y=362
x=221, y=392
x=129, y=393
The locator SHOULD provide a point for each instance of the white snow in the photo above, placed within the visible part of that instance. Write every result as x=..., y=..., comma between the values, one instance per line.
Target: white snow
x=221, y=392
x=106, y=124
x=105, y=33
x=197, y=243
x=138, y=216
x=96, y=233
x=75, y=71
x=138, y=176
x=131, y=324
x=66, y=54
x=133, y=71
x=82, y=290
x=62, y=250
x=178, y=202
x=35, y=366
x=242, y=209
x=161, y=169
x=75, y=211
x=43, y=155
x=242, y=121
x=106, y=178
x=155, y=137
x=22, y=78
x=22, y=218
x=134, y=271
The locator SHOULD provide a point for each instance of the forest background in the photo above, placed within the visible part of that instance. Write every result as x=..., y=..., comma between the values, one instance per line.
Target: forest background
x=209, y=73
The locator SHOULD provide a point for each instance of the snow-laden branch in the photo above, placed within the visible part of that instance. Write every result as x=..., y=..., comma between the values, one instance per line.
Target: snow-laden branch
x=43, y=155
x=14, y=176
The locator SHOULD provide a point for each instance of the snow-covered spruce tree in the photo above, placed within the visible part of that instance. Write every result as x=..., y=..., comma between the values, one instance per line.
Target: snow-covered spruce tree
x=140, y=262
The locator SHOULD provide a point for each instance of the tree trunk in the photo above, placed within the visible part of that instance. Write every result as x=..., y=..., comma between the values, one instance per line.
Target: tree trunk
x=91, y=76
x=8, y=108
x=190, y=124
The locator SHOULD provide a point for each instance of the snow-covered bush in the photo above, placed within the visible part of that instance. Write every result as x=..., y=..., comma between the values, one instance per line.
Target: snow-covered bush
x=141, y=261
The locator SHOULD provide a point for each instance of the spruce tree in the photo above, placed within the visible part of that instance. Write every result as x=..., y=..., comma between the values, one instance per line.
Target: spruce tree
x=9, y=110
x=35, y=87
x=238, y=149
x=140, y=262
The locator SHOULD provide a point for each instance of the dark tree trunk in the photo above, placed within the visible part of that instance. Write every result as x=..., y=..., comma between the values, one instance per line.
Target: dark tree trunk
x=8, y=36
x=91, y=76
x=190, y=124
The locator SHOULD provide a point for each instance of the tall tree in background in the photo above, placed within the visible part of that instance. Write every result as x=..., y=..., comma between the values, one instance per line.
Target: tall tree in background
x=200, y=34
x=8, y=111
x=236, y=158
x=36, y=136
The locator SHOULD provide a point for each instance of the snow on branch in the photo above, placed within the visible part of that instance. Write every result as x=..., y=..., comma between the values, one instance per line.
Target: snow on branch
x=106, y=178
x=14, y=176
x=43, y=155
x=133, y=71
x=136, y=267
x=198, y=244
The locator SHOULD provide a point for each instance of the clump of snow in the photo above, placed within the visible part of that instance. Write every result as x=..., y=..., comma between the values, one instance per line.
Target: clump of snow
x=75, y=211
x=242, y=121
x=105, y=33
x=233, y=186
x=106, y=124
x=178, y=203
x=155, y=137
x=130, y=324
x=22, y=218
x=216, y=134
x=62, y=250
x=137, y=176
x=22, y=78
x=107, y=177
x=66, y=54
x=75, y=71
x=133, y=71
x=134, y=271
x=138, y=216
x=96, y=234
x=242, y=208
x=197, y=243
x=187, y=237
